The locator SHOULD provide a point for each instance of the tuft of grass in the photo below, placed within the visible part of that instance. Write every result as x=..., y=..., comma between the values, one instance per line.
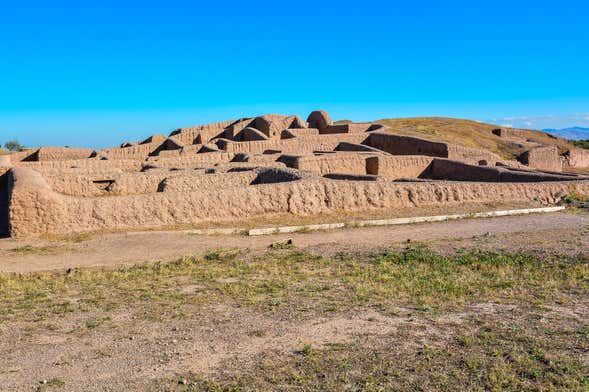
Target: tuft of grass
x=74, y=238
x=29, y=249
x=306, y=350
x=51, y=384
x=286, y=244
x=573, y=200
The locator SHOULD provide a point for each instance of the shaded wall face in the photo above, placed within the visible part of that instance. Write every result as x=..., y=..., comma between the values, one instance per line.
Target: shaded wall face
x=443, y=169
x=406, y=145
x=4, y=226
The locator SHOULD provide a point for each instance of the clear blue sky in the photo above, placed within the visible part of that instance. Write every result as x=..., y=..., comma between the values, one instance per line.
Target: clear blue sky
x=96, y=75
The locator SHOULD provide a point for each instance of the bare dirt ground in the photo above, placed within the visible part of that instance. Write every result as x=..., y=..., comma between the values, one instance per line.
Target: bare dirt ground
x=114, y=249
x=497, y=303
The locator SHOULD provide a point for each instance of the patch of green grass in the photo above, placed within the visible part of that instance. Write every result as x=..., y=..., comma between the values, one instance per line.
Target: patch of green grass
x=298, y=280
x=307, y=350
x=29, y=249
x=23, y=249
x=54, y=383
x=74, y=238
x=576, y=201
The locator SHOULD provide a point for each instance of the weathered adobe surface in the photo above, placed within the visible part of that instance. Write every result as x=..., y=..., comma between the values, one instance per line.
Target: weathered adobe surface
x=542, y=158
x=266, y=165
x=36, y=209
x=577, y=157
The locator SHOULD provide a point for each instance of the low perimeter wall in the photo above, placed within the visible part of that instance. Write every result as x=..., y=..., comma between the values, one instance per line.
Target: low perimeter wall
x=36, y=209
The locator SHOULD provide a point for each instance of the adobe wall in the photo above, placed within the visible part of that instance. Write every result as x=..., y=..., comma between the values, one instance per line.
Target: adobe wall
x=29, y=154
x=274, y=175
x=249, y=134
x=272, y=124
x=348, y=163
x=345, y=146
x=200, y=182
x=347, y=128
x=140, y=151
x=578, y=157
x=63, y=153
x=73, y=184
x=241, y=166
x=472, y=155
x=168, y=153
x=299, y=132
x=406, y=145
x=542, y=158
x=444, y=169
x=294, y=145
x=236, y=127
x=262, y=159
x=37, y=210
x=168, y=145
x=137, y=183
x=511, y=133
x=185, y=161
x=34, y=208
x=106, y=184
x=47, y=172
x=86, y=164
x=5, y=161
x=394, y=167
x=203, y=132
x=176, y=181
x=156, y=140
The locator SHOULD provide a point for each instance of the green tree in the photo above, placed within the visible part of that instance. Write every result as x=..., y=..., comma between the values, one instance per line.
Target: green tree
x=13, y=145
x=581, y=143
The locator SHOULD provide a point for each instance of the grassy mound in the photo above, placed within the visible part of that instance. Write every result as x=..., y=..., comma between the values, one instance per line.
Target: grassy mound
x=468, y=133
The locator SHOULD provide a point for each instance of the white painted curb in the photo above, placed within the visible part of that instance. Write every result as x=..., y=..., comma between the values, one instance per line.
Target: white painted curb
x=362, y=223
x=294, y=229
x=230, y=230
x=400, y=221
x=441, y=218
x=215, y=231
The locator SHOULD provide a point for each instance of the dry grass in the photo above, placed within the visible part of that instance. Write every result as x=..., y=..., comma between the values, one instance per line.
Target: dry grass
x=290, y=278
x=515, y=350
x=73, y=238
x=467, y=133
x=492, y=355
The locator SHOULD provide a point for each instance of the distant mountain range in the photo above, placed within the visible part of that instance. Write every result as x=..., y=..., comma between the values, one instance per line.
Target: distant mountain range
x=573, y=133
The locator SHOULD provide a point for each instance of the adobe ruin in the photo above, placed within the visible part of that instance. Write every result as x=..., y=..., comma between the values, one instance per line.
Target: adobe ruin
x=263, y=166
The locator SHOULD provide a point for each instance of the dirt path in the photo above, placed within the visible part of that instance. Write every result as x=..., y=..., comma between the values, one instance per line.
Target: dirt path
x=114, y=249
